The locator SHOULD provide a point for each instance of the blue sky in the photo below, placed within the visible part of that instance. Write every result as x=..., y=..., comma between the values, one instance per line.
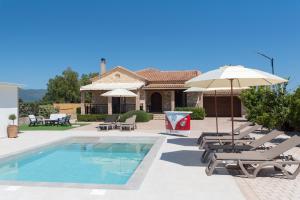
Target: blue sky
x=39, y=39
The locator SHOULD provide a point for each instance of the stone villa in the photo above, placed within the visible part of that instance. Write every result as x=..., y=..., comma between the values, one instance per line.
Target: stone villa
x=156, y=90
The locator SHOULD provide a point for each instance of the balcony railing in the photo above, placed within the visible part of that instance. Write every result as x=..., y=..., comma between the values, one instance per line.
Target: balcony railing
x=126, y=107
x=91, y=108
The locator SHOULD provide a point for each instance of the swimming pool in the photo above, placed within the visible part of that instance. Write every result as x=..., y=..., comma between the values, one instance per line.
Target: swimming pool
x=79, y=161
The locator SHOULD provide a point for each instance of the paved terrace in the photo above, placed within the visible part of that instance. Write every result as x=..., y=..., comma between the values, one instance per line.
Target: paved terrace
x=176, y=173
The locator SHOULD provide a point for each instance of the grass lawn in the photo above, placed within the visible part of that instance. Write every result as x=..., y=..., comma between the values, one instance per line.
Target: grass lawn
x=49, y=128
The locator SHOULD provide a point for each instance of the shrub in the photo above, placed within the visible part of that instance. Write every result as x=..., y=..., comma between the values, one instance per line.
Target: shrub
x=268, y=106
x=141, y=116
x=46, y=110
x=91, y=117
x=26, y=109
x=197, y=113
x=12, y=117
x=294, y=115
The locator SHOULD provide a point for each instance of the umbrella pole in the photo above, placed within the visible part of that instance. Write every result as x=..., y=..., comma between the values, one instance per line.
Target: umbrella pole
x=216, y=112
x=232, y=124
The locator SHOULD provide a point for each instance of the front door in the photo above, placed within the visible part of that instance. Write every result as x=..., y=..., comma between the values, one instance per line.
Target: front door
x=156, y=102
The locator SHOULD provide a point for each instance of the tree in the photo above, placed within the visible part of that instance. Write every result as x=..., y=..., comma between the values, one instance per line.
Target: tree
x=63, y=88
x=295, y=110
x=85, y=80
x=267, y=106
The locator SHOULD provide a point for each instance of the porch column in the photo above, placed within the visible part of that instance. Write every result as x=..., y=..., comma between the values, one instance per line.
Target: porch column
x=82, y=102
x=109, y=105
x=200, y=100
x=172, y=100
x=137, y=100
x=145, y=101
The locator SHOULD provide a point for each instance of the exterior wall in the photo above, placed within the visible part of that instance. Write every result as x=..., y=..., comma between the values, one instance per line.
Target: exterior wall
x=195, y=99
x=166, y=98
x=243, y=109
x=8, y=105
x=67, y=108
x=118, y=76
x=143, y=99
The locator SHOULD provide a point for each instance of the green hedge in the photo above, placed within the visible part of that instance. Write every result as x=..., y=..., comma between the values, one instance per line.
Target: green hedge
x=141, y=116
x=198, y=113
x=91, y=117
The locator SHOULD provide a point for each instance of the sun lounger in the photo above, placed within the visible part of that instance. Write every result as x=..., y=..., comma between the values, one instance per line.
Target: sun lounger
x=241, y=145
x=109, y=122
x=235, y=131
x=228, y=138
x=251, y=162
x=33, y=120
x=129, y=123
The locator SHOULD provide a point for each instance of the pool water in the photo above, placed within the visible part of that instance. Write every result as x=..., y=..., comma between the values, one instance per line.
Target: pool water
x=87, y=163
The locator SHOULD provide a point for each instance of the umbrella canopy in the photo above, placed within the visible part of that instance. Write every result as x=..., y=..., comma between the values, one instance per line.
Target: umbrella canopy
x=233, y=76
x=198, y=89
x=119, y=93
x=241, y=76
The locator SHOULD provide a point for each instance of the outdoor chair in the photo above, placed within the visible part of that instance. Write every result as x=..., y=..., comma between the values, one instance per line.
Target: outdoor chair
x=109, y=122
x=226, y=139
x=251, y=162
x=241, y=145
x=235, y=131
x=129, y=123
x=54, y=119
x=33, y=120
x=65, y=121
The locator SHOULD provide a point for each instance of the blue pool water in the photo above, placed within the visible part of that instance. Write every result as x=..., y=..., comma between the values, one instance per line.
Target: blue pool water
x=88, y=163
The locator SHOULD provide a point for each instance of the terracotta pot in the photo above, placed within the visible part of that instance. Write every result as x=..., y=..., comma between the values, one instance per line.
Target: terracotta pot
x=12, y=131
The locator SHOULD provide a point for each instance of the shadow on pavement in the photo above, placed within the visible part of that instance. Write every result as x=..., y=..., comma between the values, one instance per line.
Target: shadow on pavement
x=175, y=135
x=184, y=158
x=183, y=141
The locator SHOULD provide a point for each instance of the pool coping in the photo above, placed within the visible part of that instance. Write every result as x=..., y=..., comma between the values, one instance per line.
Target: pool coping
x=134, y=182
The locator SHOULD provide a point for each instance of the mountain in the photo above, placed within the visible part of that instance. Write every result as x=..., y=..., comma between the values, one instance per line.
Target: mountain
x=31, y=95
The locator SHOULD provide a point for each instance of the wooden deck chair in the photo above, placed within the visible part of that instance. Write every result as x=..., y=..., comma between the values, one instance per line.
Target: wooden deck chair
x=241, y=145
x=235, y=131
x=227, y=138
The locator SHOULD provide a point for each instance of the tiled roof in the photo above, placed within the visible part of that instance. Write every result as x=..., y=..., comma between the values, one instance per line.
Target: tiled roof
x=164, y=86
x=154, y=75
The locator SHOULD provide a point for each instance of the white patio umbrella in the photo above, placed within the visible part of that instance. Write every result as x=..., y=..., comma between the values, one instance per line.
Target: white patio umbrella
x=197, y=89
x=119, y=93
x=234, y=76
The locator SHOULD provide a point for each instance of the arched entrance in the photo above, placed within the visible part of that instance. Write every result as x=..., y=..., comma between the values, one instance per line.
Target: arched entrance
x=156, y=102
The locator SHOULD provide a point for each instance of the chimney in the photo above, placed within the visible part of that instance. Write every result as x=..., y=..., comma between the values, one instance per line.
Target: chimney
x=102, y=67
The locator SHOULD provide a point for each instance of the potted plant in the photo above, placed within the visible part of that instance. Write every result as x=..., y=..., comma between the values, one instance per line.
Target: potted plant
x=12, y=130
